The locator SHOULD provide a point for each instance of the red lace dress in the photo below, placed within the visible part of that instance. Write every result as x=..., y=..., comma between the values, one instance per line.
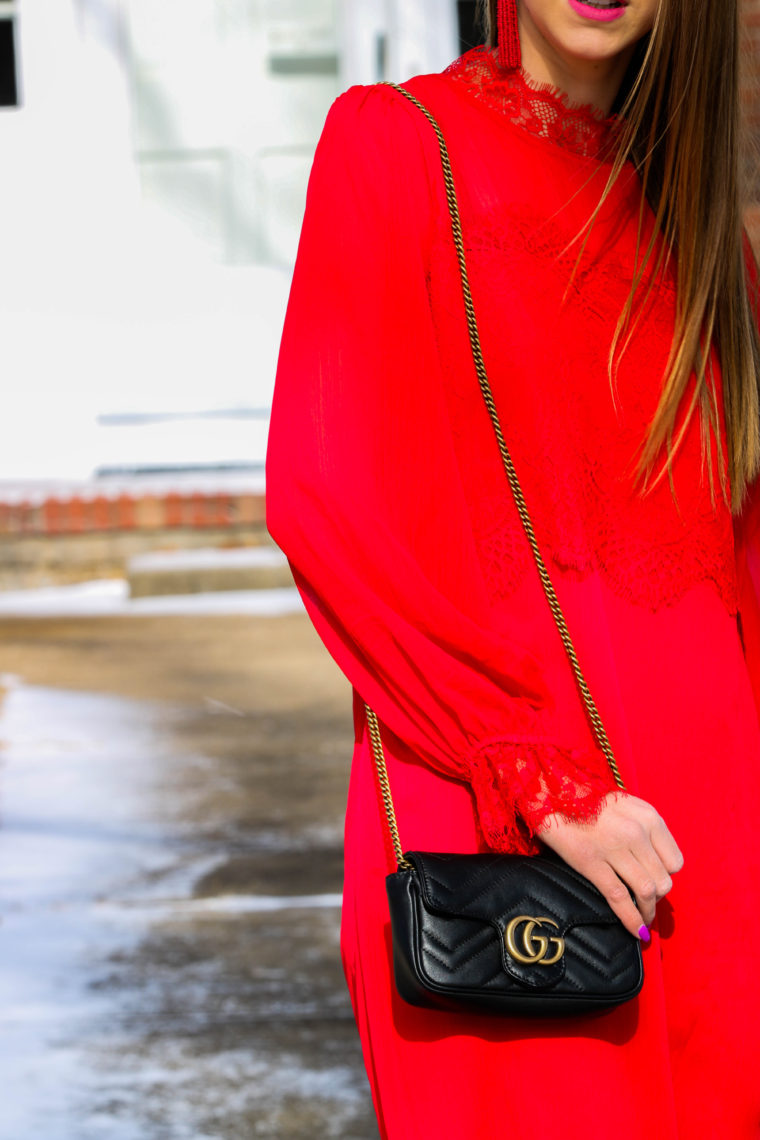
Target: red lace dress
x=386, y=492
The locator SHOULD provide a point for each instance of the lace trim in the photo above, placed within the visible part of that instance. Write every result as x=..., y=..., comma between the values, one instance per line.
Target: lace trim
x=539, y=108
x=517, y=785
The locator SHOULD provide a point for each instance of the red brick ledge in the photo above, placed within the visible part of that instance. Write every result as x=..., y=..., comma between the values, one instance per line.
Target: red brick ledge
x=77, y=514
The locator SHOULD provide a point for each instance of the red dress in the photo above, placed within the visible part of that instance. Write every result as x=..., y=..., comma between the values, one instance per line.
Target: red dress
x=386, y=492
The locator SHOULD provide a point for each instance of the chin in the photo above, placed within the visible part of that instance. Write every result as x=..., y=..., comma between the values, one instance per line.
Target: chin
x=591, y=48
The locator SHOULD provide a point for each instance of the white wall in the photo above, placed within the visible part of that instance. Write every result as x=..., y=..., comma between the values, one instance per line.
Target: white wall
x=152, y=188
x=419, y=37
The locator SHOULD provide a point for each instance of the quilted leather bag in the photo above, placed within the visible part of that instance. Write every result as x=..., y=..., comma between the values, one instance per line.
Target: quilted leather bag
x=512, y=934
x=519, y=935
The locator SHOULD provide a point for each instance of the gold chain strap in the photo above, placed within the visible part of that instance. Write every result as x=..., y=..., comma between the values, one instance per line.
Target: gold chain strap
x=385, y=787
x=595, y=719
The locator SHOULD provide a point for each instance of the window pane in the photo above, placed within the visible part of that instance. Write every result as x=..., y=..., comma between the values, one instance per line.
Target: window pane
x=8, y=80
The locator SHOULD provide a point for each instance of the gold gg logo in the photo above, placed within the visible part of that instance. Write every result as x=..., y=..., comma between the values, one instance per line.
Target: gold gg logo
x=535, y=946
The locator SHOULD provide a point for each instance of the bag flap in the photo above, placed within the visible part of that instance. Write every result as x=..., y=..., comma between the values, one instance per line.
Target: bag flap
x=493, y=888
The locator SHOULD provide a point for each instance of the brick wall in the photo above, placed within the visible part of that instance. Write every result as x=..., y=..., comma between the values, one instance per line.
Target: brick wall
x=89, y=514
x=752, y=25
x=79, y=536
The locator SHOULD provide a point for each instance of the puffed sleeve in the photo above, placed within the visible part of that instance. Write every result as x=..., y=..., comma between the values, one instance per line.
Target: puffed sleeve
x=364, y=494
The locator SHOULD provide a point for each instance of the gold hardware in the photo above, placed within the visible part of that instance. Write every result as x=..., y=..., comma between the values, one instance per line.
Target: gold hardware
x=536, y=945
x=592, y=712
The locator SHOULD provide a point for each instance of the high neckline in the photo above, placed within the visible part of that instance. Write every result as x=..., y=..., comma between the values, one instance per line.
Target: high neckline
x=539, y=108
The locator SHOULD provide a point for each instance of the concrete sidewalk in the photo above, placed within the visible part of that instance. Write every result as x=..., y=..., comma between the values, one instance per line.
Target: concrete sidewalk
x=172, y=795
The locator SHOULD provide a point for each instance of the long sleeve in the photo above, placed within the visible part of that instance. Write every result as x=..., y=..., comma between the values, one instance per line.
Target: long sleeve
x=364, y=494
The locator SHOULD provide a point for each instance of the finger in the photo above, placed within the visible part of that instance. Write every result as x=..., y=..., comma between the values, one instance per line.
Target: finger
x=655, y=870
x=655, y=833
x=666, y=847
x=634, y=839
x=618, y=896
x=648, y=879
x=641, y=881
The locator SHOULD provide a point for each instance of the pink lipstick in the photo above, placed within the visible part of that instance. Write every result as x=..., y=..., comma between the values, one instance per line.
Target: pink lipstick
x=598, y=9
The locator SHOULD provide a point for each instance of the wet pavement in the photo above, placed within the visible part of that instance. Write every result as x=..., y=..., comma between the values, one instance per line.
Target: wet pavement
x=171, y=802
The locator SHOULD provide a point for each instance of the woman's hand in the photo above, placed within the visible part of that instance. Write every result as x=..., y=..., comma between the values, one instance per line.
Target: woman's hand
x=628, y=845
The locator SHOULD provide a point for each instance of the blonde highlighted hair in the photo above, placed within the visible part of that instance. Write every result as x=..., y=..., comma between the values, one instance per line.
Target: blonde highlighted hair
x=682, y=128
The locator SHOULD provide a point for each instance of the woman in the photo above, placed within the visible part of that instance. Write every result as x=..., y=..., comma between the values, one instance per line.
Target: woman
x=599, y=190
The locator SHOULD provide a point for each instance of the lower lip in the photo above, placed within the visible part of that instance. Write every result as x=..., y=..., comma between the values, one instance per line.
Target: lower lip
x=603, y=14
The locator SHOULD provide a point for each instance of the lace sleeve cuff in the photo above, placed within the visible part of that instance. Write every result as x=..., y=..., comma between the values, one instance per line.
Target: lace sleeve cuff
x=518, y=784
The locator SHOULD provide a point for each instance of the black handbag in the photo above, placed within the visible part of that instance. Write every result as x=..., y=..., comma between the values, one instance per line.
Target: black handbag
x=510, y=934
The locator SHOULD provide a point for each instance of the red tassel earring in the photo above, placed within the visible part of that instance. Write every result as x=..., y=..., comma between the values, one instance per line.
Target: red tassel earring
x=509, y=35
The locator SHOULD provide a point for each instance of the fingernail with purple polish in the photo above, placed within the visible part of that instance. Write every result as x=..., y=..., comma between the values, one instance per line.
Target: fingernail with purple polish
x=644, y=934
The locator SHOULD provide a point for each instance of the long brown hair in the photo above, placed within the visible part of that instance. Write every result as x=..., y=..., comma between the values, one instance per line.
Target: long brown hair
x=681, y=127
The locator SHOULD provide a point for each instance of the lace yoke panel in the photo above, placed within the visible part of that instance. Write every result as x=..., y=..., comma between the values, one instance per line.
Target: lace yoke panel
x=539, y=108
